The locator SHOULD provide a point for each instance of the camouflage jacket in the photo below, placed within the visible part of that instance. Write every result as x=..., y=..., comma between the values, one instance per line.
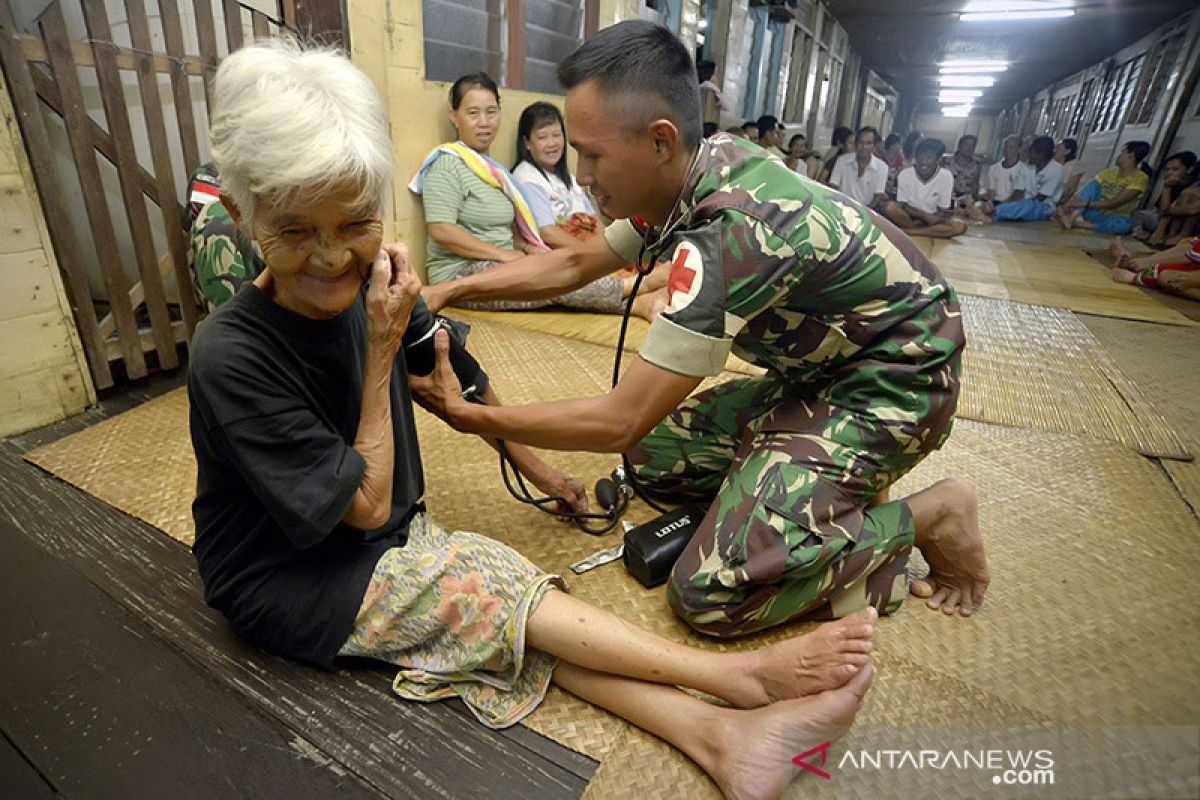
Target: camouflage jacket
x=789, y=275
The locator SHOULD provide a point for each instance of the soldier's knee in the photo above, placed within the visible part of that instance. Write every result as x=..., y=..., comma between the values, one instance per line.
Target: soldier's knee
x=698, y=608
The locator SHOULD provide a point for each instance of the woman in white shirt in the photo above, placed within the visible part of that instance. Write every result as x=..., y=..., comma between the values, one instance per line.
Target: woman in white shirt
x=563, y=210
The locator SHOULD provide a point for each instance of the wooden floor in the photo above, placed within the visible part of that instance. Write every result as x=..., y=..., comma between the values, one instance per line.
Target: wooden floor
x=117, y=681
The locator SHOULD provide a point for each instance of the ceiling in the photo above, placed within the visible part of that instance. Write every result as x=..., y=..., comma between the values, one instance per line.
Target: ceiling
x=904, y=41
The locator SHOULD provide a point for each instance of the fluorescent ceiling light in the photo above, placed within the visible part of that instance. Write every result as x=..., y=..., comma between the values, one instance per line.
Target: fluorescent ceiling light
x=982, y=64
x=956, y=111
x=959, y=70
x=951, y=99
x=1014, y=16
x=967, y=81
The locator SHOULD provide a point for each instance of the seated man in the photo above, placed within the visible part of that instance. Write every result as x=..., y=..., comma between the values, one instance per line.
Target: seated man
x=1043, y=185
x=843, y=143
x=924, y=194
x=862, y=175
x=770, y=135
x=750, y=130
x=1005, y=178
x=860, y=335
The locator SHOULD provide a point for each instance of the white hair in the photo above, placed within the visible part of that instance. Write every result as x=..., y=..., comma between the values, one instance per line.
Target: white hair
x=288, y=122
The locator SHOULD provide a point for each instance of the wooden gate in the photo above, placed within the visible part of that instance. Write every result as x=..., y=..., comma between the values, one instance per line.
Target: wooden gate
x=44, y=73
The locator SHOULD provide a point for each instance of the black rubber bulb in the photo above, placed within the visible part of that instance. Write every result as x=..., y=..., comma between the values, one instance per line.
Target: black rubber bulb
x=606, y=494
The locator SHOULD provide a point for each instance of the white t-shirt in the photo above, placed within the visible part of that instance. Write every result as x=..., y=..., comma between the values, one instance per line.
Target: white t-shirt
x=801, y=167
x=861, y=187
x=551, y=201
x=1048, y=182
x=931, y=197
x=1003, y=181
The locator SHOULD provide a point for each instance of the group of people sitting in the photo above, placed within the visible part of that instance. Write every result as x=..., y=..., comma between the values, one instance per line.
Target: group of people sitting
x=312, y=536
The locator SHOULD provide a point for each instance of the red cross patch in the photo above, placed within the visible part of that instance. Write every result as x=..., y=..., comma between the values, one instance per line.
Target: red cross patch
x=686, y=277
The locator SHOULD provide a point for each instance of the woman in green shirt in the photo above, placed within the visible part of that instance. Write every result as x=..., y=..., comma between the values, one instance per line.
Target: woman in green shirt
x=474, y=210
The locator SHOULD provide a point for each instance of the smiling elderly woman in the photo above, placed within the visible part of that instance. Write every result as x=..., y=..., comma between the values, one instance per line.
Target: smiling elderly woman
x=311, y=537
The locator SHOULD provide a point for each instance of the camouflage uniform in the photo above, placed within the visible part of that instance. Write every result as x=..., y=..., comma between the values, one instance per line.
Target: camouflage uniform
x=861, y=339
x=220, y=258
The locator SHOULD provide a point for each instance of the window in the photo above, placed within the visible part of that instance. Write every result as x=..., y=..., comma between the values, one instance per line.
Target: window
x=1060, y=111
x=1157, y=77
x=1085, y=94
x=1117, y=94
x=517, y=42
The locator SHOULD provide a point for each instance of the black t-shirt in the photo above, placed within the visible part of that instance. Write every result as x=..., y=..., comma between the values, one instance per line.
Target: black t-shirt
x=275, y=404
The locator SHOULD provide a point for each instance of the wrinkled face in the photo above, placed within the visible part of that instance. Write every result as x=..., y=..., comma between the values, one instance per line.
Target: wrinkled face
x=319, y=250
x=546, y=145
x=927, y=164
x=617, y=162
x=967, y=148
x=865, y=145
x=1174, y=172
x=477, y=119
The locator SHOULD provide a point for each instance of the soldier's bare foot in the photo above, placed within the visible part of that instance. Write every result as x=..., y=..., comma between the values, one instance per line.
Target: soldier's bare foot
x=825, y=658
x=947, y=520
x=754, y=749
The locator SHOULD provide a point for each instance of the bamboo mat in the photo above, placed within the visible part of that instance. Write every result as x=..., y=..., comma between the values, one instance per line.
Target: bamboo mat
x=1045, y=275
x=1028, y=366
x=1049, y=232
x=1089, y=621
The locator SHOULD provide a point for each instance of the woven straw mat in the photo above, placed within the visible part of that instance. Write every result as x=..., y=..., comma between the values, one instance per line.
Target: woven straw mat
x=1090, y=566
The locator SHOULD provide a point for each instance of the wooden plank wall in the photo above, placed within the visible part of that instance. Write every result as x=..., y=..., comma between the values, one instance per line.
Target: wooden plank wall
x=45, y=376
x=138, y=327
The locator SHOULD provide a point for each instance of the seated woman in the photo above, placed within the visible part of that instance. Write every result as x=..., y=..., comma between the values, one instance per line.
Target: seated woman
x=477, y=217
x=1175, y=215
x=311, y=535
x=893, y=156
x=1176, y=270
x=562, y=209
x=798, y=154
x=923, y=196
x=1106, y=202
x=1065, y=154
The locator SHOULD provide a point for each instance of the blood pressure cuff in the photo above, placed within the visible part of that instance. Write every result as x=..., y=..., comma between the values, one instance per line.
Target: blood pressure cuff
x=420, y=355
x=651, y=549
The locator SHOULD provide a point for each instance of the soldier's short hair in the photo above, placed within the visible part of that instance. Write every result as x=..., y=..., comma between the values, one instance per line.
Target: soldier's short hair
x=645, y=69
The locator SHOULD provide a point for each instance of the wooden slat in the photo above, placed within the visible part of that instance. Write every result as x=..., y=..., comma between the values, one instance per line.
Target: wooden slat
x=233, y=25
x=207, y=35
x=136, y=296
x=261, y=24
x=515, y=10
x=54, y=30
x=591, y=18
x=49, y=94
x=147, y=341
x=113, y=95
x=42, y=161
x=35, y=51
x=181, y=88
x=139, y=31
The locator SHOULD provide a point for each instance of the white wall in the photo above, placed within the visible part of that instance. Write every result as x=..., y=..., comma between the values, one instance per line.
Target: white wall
x=949, y=129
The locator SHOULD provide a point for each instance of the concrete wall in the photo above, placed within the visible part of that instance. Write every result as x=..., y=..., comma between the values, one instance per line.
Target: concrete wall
x=43, y=375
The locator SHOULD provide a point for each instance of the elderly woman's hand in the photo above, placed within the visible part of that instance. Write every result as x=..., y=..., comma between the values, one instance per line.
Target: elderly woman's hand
x=394, y=290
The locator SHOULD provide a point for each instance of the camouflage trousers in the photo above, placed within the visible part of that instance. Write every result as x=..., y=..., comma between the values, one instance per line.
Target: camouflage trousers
x=789, y=533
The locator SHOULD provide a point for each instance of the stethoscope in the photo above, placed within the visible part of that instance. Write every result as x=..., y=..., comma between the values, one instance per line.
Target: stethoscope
x=614, y=492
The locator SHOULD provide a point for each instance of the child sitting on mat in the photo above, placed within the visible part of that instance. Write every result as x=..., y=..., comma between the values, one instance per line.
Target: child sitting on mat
x=1176, y=270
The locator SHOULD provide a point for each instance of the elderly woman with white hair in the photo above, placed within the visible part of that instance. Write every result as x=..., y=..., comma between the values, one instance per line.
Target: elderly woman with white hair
x=311, y=537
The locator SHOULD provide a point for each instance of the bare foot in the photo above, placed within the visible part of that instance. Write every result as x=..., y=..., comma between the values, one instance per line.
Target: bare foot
x=648, y=305
x=819, y=660
x=1121, y=275
x=1119, y=252
x=753, y=758
x=1065, y=218
x=948, y=536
